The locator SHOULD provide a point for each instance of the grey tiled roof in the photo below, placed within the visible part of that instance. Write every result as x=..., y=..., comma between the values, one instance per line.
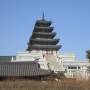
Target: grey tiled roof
x=6, y=58
x=21, y=69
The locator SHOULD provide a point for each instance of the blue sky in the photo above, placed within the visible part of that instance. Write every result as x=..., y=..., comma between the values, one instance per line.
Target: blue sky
x=71, y=19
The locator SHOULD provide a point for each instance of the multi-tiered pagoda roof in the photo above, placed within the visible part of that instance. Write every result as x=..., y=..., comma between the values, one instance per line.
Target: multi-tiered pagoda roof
x=43, y=37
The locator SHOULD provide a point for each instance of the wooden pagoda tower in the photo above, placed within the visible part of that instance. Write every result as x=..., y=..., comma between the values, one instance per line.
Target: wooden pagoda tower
x=43, y=37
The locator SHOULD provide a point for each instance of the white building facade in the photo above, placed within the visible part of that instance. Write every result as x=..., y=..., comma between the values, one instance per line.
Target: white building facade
x=57, y=62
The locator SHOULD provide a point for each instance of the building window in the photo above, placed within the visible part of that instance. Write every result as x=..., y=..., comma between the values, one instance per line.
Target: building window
x=78, y=67
x=72, y=67
x=38, y=65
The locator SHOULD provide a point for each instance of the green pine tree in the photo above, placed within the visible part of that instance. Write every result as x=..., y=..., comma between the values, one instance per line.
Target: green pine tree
x=88, y=56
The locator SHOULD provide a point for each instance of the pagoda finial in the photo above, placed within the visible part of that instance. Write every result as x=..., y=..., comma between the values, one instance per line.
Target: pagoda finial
x=43, y=18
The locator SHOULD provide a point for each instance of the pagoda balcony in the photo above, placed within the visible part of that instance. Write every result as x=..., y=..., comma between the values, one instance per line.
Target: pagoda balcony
x=43, y=29
x=43, y=22
x=43, y=34
x=45, y=47
x=45, y=41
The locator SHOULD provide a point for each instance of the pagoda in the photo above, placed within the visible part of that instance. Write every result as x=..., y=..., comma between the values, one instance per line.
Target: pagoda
x=43, y=37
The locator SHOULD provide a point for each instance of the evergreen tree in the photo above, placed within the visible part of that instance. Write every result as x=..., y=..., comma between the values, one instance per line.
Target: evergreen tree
x=88, y=56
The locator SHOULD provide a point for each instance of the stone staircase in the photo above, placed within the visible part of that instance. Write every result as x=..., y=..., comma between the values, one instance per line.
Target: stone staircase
x=53, y=62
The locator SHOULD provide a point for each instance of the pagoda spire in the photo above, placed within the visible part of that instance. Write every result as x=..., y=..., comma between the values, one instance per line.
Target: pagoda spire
x=43, y=17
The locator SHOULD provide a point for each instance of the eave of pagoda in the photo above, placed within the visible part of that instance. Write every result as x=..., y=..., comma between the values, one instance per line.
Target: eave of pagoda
x=43, y=29
x=43, y=23
x=44, y=41
x=43, y=35
x=44, y=47
x=41, y=40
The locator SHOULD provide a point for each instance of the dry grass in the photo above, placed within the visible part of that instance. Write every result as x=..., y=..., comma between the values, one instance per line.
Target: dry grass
x=44, y=85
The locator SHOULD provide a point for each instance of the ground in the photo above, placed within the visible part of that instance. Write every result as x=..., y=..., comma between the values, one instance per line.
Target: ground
x=44, y=85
